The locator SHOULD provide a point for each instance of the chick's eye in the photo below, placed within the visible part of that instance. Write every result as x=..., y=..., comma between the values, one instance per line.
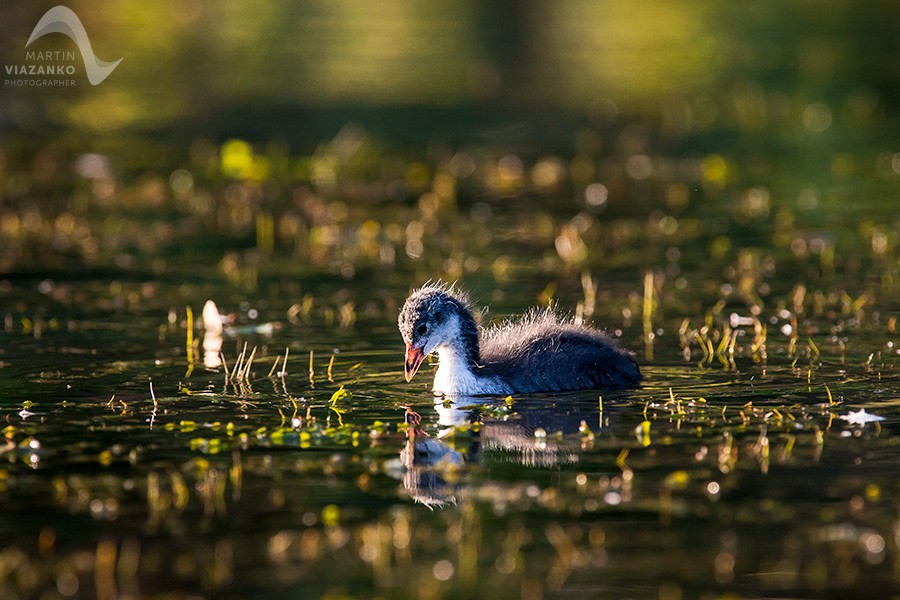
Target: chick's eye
x=421, y=329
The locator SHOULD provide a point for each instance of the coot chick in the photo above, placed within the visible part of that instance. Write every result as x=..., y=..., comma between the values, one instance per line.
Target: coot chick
x=540, y=352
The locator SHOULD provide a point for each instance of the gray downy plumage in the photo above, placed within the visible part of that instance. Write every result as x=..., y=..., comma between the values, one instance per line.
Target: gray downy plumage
x=540, y=352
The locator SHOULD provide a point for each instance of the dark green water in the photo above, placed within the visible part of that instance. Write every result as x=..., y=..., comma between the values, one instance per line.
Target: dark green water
x=718, y=186
x=762, y=304
x=725, y=473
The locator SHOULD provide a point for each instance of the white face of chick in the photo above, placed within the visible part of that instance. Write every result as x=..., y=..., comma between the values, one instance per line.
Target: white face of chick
x=428, y=322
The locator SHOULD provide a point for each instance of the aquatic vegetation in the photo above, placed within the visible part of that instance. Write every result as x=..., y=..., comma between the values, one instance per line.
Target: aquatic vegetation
x=290, y=470
x=749, y=258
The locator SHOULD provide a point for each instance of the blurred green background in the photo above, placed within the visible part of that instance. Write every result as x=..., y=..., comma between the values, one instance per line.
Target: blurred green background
x=416, y=69
x=775, y=116
x=687, y=175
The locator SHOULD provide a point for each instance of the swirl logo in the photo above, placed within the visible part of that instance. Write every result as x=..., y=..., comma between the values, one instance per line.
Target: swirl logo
x=61, y=19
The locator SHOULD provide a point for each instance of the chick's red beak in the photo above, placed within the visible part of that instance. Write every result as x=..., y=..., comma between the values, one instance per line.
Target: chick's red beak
x=414, y=358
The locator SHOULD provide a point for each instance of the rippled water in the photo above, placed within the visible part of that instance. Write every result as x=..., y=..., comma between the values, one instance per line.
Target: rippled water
x=716, y=185
x=727, y=472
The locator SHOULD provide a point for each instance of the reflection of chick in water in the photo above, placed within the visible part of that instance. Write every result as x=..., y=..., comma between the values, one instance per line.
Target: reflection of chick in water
x=536, y=435
x=429, y=465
